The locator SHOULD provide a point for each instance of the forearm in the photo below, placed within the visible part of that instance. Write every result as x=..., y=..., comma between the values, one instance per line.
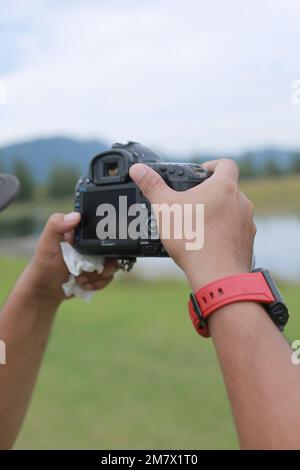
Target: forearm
x=263, y=385
x=262, y=382
x=25, y=324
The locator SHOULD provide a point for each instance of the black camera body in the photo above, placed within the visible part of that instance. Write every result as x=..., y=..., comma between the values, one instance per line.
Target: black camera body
x=108, y=179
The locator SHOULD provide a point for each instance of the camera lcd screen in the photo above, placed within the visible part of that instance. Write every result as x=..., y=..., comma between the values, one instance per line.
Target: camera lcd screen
x=95, y=209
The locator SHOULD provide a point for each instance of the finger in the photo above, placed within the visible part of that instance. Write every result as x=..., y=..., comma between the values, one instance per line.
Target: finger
x=57, y=226
x=106, y=274
x=80, y=280
x=150, y=183
x=225, y=168
x=110, y=267
x=97, y=285
x=94, y=277
x=102, y=284
x=86, y=278
x=111, y=262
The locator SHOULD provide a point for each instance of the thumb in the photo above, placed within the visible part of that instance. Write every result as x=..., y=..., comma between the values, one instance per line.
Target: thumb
x=57, y=226
x=150, y=183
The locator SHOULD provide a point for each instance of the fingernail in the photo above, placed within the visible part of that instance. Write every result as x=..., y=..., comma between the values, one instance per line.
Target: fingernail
x=138, y=172
x=72, y=217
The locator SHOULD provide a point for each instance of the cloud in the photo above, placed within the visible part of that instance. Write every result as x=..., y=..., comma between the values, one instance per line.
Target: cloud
x=177, y=75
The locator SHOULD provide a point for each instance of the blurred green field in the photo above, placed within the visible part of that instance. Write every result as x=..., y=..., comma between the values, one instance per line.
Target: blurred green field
x=277, y=195
x=128, y=371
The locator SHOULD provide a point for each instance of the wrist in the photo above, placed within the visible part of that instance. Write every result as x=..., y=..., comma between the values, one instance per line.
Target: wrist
x=199, y=278
x=30, y=284
x=239, y=319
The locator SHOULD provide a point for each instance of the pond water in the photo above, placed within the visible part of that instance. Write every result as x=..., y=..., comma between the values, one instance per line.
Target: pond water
x=277, y=247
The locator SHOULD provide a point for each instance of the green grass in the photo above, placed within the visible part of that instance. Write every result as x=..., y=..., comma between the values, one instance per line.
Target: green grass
x=40, y=208
x=128, y=371
x=278, y=195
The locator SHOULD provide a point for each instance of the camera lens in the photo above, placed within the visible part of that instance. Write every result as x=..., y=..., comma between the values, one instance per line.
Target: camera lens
x=111, y=169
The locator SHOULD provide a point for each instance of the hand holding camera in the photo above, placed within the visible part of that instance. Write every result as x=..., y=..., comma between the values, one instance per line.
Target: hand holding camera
x=138, y=175
x=117, y=218
x=229, y=228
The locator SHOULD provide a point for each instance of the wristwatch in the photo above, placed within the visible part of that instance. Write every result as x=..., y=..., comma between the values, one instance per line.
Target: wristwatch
x=257, y=286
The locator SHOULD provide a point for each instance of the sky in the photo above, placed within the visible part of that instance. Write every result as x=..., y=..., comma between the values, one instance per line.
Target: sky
x=181, y=76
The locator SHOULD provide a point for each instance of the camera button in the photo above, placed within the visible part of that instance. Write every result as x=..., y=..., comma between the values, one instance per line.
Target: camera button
x=171, y=170
x=163, y=168
x=180, y=171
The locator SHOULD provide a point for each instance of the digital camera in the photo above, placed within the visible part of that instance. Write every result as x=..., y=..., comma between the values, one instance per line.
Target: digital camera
x=108, y=189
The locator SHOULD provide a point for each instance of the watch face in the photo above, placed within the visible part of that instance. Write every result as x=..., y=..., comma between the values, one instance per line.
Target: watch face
x=9, y=188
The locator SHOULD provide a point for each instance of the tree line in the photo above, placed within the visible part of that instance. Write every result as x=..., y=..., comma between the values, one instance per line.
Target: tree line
x=60, y=183
x=62, y=179
x=269, y=168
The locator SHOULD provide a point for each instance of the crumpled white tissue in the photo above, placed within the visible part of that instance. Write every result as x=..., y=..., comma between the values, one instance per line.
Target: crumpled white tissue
x=76, y=264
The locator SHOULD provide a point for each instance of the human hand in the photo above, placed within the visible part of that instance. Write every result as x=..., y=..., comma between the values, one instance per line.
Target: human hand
x=47, y=271
x=229, y=229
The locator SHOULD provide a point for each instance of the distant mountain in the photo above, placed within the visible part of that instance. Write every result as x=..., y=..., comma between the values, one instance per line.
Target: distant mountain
x=42, y=154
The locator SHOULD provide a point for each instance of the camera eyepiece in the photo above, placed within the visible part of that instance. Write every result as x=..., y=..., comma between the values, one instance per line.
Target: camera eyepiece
x=111, y=169
x=113, y=166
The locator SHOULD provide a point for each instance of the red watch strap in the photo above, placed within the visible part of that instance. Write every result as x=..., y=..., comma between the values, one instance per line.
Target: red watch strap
x=238, y=288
